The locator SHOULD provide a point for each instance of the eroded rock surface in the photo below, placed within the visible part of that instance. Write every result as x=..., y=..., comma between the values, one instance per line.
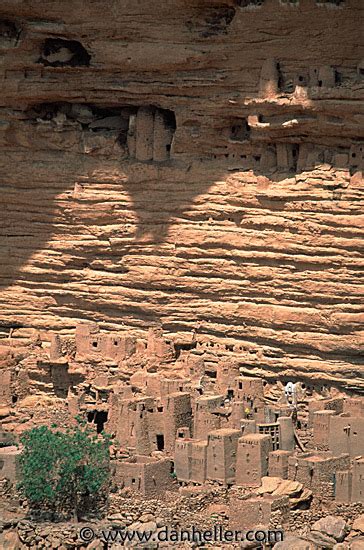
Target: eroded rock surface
x=190, y=162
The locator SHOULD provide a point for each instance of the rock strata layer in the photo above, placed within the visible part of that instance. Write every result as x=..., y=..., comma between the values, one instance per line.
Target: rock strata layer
x=190, y=163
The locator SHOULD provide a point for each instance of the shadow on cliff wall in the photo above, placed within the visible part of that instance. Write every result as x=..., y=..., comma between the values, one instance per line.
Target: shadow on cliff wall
x=40, y=204
x=86, y=211
x=158, y=206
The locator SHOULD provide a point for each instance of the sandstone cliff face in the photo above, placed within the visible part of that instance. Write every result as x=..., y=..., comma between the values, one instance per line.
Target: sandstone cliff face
x=193, y=163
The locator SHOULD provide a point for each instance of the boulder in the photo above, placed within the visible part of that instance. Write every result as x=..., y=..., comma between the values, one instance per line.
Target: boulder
x=4, y=411
x=358, y=524
x=149, y=526
x=321, y=540
x=269, y=484
x=289, y=488
x=333, y=526
x=160, y=522
x=116, y=517
x=294, y=543
x=10, y=541
x=136, y=526
x=145, y=518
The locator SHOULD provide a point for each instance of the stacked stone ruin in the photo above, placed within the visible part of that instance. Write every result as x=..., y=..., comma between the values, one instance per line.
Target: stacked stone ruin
x=188, y=424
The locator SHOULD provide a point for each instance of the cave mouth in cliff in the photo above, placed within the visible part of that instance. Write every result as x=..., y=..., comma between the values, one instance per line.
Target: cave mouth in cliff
x=58, y=52
x=219, y=19
x=333, y=2
x=179, y=347
x=240, y=130
x=247, y=3
x=169, y=119
x=116, y=122
x=9, y=32
x=211, y=21
x=89, y=117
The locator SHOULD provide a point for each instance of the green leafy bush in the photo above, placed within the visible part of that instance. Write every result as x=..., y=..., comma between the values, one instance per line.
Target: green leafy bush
x=64, y=472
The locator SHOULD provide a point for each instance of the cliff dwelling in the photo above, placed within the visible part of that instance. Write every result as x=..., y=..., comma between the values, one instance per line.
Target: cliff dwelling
x=181, y=257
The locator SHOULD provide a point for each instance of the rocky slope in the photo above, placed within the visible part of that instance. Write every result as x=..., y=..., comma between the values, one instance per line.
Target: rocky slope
x=190, y=162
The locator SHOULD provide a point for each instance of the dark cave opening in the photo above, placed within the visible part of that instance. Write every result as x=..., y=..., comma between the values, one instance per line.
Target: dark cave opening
x=58, y=52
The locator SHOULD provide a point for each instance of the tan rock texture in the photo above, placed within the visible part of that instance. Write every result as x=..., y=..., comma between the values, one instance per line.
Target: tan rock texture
x=192, y=163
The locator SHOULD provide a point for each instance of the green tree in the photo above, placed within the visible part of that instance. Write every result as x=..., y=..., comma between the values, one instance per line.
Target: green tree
x=64, y=472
